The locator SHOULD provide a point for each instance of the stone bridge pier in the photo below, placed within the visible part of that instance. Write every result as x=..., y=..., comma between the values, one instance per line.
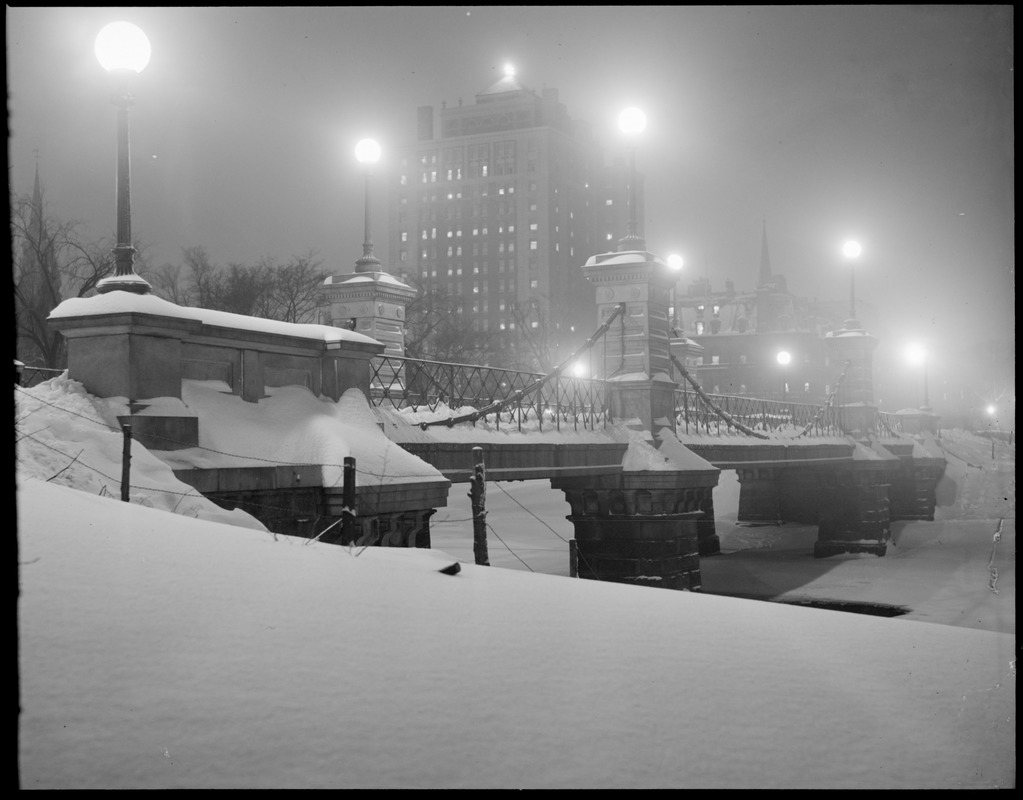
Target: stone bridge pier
x=643, y=526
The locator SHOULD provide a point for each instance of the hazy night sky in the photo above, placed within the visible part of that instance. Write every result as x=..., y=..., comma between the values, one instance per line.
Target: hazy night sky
x=891, y=124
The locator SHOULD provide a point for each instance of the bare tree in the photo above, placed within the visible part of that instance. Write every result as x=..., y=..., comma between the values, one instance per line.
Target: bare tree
x=295, y=288
x=271, y=290
x=52, y=262
x=166, y=283
x=204, y=277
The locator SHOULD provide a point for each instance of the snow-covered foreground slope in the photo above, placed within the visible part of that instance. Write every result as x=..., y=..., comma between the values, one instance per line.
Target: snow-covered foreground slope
x=157, y=650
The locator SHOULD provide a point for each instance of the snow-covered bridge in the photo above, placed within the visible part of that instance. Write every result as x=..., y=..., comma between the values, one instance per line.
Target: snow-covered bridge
x=636, y=450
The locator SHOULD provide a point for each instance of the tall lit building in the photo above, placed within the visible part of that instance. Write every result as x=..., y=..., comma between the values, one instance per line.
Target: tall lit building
x=501, y=203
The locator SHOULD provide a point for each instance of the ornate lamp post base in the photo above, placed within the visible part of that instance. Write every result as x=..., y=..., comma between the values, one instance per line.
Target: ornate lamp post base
x=124, y=278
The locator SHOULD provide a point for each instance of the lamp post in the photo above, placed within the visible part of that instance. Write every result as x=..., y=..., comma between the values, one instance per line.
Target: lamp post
x=784, y=358
x=632, y=122
x=851, y=250
x=675, y=263
x=123, y=49
x=367, y=153
x=916, y=354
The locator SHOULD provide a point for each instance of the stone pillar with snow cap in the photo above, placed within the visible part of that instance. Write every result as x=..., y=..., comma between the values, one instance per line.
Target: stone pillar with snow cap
x=851, y=350
x=634, y=354
x=373, y=303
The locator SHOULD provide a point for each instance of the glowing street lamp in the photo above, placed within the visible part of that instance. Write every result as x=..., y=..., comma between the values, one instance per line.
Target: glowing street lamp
x=675, y=264
x=784, y=358
x=851, y=250
x=917, y=355
x=123, y=49
x=367, y=153
x=632, y=122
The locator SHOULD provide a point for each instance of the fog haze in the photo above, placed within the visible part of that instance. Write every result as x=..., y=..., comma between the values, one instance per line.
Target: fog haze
x=892, y=124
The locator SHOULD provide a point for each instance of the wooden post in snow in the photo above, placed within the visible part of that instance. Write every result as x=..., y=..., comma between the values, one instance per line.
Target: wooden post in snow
x=478, y=496
x=348, y=501
x=573, y=558
x=126, y=461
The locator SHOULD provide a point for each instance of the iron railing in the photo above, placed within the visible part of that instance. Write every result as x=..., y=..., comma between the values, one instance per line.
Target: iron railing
x=699, y=412
x=521, y=398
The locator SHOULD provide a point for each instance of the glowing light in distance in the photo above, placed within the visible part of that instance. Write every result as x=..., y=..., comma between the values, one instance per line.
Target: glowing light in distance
x=367, y=151
x=579, y=369
x=991, y=410
x=784, y=357
x=509, y=70
x=121, y=45
x=632, y=120
x=851, y=249
x=675, y=261
x=915, y=354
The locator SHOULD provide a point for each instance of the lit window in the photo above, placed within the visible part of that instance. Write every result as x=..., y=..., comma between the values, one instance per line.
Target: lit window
x=534, y=284
x=532, y=244
x=404, y=236
x=699, y=330
x=533, y=226
x=609, y=202
x=609, y=237
x=534, y=324
x=715, y=360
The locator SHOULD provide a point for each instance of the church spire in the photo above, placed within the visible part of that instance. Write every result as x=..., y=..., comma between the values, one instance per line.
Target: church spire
x=766, y=278
x=36, y=221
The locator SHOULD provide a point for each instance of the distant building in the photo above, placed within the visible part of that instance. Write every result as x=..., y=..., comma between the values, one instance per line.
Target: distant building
x=500, y=203
x=742, y=334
